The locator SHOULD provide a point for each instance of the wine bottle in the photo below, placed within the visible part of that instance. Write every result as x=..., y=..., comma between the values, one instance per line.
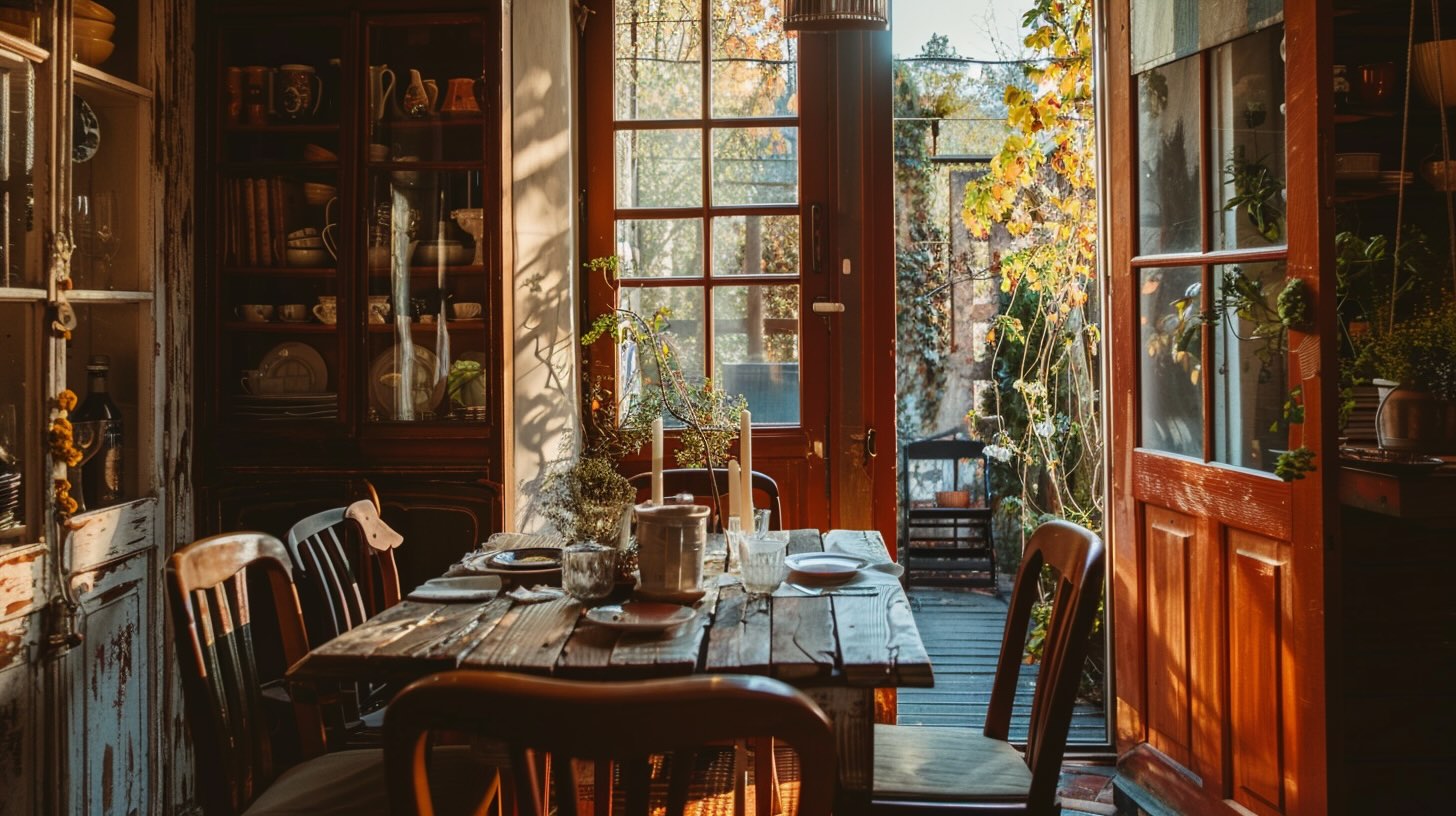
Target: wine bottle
x=101, y=475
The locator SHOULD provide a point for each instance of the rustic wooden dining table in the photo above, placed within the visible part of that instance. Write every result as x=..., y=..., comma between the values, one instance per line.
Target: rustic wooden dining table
x=837, y=648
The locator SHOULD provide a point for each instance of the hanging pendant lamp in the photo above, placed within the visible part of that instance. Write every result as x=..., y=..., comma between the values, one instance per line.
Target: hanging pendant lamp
x=836, y=15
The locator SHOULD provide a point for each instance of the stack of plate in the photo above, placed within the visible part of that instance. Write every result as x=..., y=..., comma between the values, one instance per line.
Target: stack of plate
x=287, y=407
x=9, y=500
x=1360, y=425
x=93, y=24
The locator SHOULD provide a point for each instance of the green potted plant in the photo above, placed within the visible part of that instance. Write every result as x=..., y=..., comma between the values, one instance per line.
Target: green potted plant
x=1414, y=365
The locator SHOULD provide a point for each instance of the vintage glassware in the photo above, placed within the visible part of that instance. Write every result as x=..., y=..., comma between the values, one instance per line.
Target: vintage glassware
x=588, y=571
x=763, y=562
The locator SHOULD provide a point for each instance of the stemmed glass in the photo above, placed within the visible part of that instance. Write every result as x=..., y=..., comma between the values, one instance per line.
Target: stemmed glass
x=104, y=234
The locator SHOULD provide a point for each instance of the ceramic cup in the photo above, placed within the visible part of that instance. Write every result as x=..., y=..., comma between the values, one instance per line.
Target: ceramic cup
x=299, y=91
x=252, y=381
x=327, y=309
x=465, y=311
x=257, y=94
x=293, y=312
x=378, y=308
x=256, y=312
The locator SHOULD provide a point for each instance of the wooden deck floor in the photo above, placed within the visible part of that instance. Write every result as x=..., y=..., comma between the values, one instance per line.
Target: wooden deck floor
x=962, y=632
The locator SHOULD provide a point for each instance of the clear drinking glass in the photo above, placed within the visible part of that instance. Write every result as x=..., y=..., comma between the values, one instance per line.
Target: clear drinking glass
x=763, y=562
x=588, y=571
x=733, y=536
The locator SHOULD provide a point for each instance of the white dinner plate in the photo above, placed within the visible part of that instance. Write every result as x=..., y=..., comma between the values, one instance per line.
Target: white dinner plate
x=292, y=368
x=641, y=616
x=825, y=567
x=427, y=389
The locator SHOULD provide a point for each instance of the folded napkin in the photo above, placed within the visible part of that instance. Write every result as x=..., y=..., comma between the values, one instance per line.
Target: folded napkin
x=455, y=590
x=380, y=536
x=536, y=594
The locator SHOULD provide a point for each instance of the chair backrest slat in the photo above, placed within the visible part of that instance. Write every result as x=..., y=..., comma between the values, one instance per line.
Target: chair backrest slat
x=695, y=481
x=1076, y=556
x=327, y=548
x=621, y=722
x=207, y=586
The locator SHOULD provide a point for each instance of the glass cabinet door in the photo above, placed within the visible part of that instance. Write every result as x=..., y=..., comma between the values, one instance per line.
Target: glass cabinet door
x=279, y=236
x=426, y=302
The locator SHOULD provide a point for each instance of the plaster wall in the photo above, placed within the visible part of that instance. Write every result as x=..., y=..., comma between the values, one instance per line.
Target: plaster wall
x=541, y=249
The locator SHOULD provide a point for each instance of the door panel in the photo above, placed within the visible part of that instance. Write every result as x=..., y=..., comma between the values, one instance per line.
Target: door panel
x=23, y=589
x=1258, y=570
x=1170, y=546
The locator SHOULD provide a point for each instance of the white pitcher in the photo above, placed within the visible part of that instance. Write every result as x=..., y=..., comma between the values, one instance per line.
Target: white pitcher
x=381, y=89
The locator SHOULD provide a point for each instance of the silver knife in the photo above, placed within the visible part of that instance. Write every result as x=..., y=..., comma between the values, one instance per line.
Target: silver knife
x=816, y=591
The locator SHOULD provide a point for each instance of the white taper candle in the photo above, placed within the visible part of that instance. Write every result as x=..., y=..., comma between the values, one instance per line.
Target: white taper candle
x=657, y=497
x=745, y=457
x=733, y=489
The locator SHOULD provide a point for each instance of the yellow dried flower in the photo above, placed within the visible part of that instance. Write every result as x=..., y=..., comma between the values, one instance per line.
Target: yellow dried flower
x=67, y=399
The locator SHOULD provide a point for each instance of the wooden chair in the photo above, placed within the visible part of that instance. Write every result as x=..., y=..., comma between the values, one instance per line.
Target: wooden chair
x=237, y=766
x=695, y=481
x=330, y=557
x=602, y=722
x=940, y=770
x=947, y=546
x=209, y=598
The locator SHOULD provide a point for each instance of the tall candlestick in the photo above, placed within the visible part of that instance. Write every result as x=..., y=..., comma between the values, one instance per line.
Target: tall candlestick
x=734, y=489
x=745, y=456
x=657, y=497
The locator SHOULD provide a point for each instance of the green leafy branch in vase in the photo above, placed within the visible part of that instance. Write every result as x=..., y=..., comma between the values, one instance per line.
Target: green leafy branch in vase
x=659, y=385
x=1256, y=192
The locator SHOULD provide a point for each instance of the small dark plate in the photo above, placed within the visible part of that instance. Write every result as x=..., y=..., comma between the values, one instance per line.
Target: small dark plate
x=1390, y=461
x=527, y=559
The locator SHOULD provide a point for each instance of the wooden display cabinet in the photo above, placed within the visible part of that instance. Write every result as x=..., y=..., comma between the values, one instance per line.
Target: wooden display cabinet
x=351, y=264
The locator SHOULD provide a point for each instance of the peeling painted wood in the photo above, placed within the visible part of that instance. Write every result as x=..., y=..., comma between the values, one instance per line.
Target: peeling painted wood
x=20, y=709
x=110, y=533
x=22, y=581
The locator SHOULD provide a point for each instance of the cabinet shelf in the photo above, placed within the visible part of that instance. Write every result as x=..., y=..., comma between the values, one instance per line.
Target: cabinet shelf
x=299, y=166
x=279, y=327
x=438, y=120
x=426, y=166
x=310, y=127
x=97, y=79
x=478, y=324
x=283, y=271
x=24, y=48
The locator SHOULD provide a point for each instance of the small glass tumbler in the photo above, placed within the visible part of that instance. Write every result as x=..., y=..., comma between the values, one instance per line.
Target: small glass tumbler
x=763, y=562
x=733, y=537
x=588, y=571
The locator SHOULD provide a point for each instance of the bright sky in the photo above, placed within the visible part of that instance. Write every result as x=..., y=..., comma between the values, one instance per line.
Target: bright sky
x=984, y=29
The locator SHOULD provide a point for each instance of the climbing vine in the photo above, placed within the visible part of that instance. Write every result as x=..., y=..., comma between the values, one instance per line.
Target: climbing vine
x=1042, y=416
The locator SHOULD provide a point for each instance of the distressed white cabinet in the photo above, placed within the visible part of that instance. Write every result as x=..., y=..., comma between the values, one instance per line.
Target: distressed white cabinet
x=90, y=261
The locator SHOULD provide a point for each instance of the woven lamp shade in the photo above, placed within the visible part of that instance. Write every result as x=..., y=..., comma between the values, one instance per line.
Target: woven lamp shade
x=836, y=15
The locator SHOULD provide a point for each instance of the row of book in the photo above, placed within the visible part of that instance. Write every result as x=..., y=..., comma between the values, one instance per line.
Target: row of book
x=257, y=215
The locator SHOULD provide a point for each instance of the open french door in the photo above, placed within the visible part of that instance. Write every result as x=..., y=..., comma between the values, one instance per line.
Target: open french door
x=1218, y=564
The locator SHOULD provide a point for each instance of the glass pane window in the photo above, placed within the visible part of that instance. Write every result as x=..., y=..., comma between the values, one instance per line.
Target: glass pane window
x=1169, y=170
x=1250, y=357
x=1246, y=97
x=659, y=72
x=1171, y=336
x=756, y=245
x=754, y=63
x=744, y=225
x=661, y=248
x=755, y=166
x=659, y=168
x=756, y=348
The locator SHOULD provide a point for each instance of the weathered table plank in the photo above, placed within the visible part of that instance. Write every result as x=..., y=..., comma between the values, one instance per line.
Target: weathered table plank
x=739, y=641
x=529, y=638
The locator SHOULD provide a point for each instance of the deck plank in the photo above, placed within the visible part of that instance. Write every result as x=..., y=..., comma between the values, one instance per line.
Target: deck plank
x=962, y=633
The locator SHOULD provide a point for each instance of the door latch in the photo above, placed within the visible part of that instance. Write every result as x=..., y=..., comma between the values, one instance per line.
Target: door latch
x=866, y=440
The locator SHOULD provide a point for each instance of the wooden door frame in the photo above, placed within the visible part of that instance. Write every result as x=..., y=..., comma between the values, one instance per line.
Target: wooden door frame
x=1310, y=500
